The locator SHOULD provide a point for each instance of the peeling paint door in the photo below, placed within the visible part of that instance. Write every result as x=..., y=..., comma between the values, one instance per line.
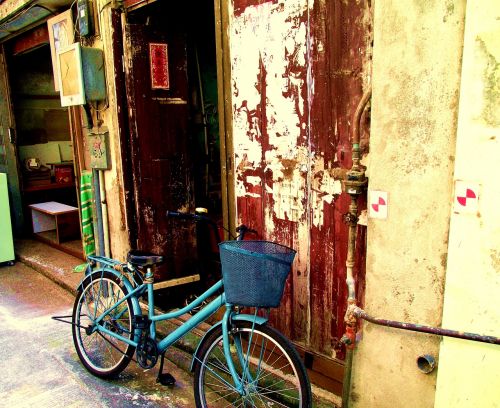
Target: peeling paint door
x=297, y=72
x=162, y=169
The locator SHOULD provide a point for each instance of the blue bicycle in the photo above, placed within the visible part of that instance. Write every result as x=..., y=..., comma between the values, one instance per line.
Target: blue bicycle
x=241, y=361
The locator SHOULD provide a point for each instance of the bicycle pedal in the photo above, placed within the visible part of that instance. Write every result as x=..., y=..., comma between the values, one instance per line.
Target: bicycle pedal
x=165, y=379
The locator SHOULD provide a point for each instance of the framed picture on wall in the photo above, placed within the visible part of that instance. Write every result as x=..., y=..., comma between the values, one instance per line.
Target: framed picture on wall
x=61, y=34
x=69, y=63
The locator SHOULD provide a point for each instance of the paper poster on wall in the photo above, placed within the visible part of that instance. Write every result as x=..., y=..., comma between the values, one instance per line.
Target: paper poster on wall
x=98, y=150
x=69, y=61
x=158, y=61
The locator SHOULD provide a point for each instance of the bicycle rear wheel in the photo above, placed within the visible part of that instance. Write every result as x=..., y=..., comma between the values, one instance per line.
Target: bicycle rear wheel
x=102, y=354
x=267, y=364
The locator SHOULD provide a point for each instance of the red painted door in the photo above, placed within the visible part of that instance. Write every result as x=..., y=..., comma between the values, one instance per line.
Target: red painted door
x=160, y=141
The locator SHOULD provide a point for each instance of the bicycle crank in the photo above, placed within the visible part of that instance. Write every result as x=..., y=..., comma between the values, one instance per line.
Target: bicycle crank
x=147, y=353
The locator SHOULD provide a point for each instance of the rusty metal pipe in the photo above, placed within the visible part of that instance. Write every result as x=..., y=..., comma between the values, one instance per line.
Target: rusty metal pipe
x=360, y=313
x=356, y=137
x=354, y=184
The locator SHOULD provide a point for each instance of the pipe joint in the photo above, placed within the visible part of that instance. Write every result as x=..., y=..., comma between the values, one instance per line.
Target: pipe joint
x=355, y=182
x=350, y=218
x=350, y=318
x=349, y=338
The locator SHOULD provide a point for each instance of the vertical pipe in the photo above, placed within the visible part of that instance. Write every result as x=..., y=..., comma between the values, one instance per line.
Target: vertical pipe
x=104, y=208
x=346, y=384
x=351, y=299
x=99, y=233
x=351, y=247
x=355, y=184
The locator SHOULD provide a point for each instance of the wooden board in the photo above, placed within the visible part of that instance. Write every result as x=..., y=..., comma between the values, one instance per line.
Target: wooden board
x=53, y=208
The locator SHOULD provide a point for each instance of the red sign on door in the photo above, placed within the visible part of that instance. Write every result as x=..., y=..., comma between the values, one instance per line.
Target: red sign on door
x=158, y=61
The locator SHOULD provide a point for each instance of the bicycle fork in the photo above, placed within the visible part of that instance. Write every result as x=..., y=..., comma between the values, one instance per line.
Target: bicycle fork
x=246, y=376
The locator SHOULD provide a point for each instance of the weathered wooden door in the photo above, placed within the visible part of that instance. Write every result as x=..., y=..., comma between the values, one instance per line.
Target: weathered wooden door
x=297, y=69
x=159, y=141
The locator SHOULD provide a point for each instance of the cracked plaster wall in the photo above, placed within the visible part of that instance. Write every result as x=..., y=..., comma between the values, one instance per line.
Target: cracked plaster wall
x=416, y=78
x=468, y=373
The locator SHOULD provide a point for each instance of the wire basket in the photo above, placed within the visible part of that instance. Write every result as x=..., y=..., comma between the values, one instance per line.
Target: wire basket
x=254, y=272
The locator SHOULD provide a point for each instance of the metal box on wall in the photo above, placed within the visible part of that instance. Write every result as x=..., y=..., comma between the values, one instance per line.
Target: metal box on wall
x=6, y=242
x=93, y=74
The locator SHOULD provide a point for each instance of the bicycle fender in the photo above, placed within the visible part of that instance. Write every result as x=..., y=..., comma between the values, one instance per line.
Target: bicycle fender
x=250, y=318
x=125, y=282
x=238, y=317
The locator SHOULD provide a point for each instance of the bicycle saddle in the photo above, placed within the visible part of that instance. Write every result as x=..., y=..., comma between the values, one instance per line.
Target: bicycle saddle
x=143, y=259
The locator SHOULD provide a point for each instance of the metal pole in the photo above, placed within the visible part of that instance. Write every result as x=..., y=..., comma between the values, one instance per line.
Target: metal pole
x=360, y=313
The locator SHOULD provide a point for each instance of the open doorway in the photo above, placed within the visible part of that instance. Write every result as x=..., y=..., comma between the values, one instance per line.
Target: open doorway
x=172, y=93
x=44, y=148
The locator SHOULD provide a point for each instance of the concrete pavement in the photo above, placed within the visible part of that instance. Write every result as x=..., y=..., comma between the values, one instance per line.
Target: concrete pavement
x=138, y=386
x=40, y=367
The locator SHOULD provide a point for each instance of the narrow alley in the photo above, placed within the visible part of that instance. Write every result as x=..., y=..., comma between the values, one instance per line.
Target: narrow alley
x=40, y=365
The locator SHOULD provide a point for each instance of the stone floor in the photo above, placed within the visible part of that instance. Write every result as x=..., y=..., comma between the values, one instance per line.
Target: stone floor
x=40, y=367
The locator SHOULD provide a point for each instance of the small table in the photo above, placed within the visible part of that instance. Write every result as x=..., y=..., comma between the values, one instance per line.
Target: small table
x=56, y=216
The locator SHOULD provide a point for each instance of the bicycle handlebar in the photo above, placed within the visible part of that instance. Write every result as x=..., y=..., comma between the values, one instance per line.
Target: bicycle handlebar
x=241, y=230
x=187, y=216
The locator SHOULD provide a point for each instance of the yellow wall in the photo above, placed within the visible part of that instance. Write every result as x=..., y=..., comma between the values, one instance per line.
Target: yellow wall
x=416, y=76
x=469, y=372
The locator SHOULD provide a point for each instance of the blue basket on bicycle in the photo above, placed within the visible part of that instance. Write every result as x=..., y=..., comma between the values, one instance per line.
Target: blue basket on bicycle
x=254, y=272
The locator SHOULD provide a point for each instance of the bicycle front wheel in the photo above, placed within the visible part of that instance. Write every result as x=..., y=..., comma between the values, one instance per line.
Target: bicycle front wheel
x=102, y=354
x=268, y=366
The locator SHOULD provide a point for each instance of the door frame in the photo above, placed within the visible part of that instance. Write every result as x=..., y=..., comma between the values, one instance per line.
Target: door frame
x=223, y=60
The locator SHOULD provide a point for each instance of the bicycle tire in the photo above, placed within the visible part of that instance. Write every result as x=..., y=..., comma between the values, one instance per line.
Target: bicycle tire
x=99, y=291
x=272, y=357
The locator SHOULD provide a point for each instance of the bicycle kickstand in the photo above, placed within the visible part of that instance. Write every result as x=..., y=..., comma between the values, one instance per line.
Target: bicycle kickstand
x=164, y=378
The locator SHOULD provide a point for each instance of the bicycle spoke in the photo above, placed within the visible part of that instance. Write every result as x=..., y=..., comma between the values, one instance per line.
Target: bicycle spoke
x=102, y=353
x=268, y=374
x=223, y=397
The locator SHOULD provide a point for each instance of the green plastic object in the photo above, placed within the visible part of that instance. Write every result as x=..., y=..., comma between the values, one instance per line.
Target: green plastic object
x=6, y=242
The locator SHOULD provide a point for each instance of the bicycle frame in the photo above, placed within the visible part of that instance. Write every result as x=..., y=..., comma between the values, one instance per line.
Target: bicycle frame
x=187, y=326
